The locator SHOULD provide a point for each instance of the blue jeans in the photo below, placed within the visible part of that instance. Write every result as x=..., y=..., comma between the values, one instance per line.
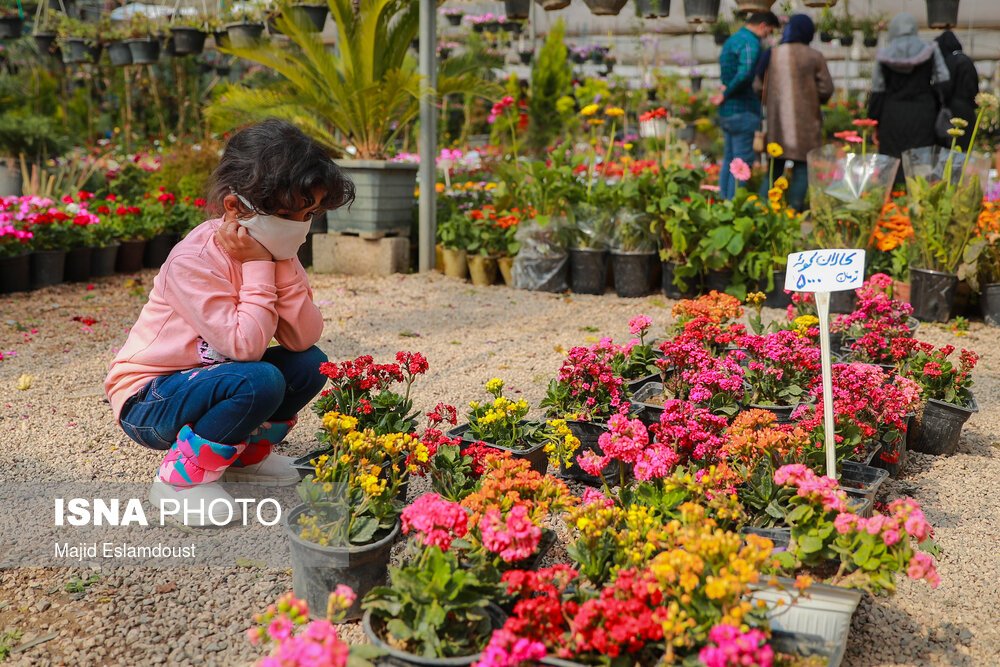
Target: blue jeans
x=225, y=402
x=798, y=185
x=737, y=132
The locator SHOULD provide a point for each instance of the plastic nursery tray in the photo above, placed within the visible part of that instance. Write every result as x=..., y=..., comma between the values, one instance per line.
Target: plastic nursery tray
x=303, y=465
x=861, y=481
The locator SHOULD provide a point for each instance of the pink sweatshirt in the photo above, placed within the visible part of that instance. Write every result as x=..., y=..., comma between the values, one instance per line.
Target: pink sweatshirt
x=206, y=308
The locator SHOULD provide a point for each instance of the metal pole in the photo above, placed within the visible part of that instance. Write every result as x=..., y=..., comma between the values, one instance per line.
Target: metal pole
x=427, y=142
x=531, y=26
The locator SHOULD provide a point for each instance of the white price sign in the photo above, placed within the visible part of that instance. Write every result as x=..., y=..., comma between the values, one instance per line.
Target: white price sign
x=825, y=270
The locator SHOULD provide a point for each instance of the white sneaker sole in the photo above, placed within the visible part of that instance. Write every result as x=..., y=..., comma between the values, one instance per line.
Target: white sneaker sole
x=160, y=491
x=240, y=476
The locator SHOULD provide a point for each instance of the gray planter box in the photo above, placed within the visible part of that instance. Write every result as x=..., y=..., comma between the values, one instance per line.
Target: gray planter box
x=384, y=200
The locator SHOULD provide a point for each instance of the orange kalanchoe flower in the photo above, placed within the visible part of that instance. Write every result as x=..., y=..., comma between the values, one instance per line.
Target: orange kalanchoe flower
x=989, y=218
x=893, y=228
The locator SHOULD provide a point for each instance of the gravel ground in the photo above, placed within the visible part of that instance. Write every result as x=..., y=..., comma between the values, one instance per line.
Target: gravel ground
x=61, y=429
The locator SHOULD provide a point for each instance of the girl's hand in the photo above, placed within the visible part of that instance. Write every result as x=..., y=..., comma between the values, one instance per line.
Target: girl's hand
x=235, y=241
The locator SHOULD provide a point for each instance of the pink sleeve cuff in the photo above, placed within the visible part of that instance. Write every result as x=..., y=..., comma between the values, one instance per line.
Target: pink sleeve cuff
x=258, y=273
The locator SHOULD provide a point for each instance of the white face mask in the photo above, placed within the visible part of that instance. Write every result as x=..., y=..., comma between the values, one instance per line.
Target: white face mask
x=281, y=237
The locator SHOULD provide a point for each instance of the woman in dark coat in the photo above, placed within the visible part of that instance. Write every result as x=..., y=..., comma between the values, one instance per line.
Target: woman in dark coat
x=909, y=78
x=963, y=85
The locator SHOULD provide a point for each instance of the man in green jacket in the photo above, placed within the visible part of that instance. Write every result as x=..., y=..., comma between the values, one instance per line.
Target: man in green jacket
x=740, y=113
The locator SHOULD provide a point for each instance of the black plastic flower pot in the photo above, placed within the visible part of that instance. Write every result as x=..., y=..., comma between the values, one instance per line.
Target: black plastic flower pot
x=670, y=290
x=77, y=267
x=517, y=9
x=989, y=302
x=892, y=456
x=843, y=302
x=718, y=280
x=129, y=259
x=782, y=412
x=589, y=435
x=588, y=270
x=932, y=294
x=454, y=19
x=942, y=13
x=102, y=261
x=847, y=40
x=144, y=51
x=221, y=39
x=188, y=41
x=11, y=27
x=825, y=37
x=15, y=274
x=79, y=51
x=157, y=250
x=778, y=297
x=47, y=268
x=720, y=38
x=870, y=42
x=938, y=429
x=46, y=42
x=119, y=54
x=312, y=15
x=651, y=9
x=535, y=455
x=526, y=57
x=633, y=272
x=317, y=570
x=244, y=35
x=701, y=11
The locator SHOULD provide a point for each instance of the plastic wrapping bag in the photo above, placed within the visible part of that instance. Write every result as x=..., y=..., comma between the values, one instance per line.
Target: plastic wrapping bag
x=631, y=232
x=593, y=227
x=542, y=262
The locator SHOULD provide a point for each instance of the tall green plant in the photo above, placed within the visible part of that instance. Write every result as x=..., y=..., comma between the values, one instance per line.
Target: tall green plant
x=551, y=79
x=364, y=93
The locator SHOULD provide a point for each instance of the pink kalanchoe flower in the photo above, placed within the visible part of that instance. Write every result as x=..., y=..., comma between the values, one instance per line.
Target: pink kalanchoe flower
x=592, y=463
x=514, y=538
x=740, y=170
x=592, y=496
x=438, y=521
x=508, y=650
x=729, y=647
x=639, y=325
x=280, y=628
x=922, y=567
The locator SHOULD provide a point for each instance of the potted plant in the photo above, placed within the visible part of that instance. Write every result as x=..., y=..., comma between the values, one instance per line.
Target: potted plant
x=946, y=388
x=189, y=33
x=982, y=271
x=782, y=367
x=588, y=254
x=454, y=233
x=78, y=41
x=11, y=22
x=871, y=26
x=526, y=56
x=651, y=9
x=942, y=13
x=846, y=28
x=245, y=25
x=144, y=41
x=633, y=251
x=721, y=31
x=553, y=5
x=15, y=249
x=105, y=238
x=45, y=33
x=826, y=26
x=311, y=16
x=127, y=222
x=157, y=214
x=486, y=242
x=517, y=10
x=344, y=530
x=453, y=15
x=373, y=101
x=701, y=11
x=945, y=192
x=501, y=425
x=115, y=40
x=747, y=7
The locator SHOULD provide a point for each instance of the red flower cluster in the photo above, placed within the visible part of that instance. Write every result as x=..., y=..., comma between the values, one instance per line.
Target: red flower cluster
x=653, y=114
x=362, y=374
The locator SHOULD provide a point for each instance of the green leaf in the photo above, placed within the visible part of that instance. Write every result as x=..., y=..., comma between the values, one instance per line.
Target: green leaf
x=810, y=544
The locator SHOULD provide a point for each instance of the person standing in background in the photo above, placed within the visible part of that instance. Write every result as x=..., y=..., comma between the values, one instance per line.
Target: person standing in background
x=963, y=84
x=798, y=83
x=740, y=112
x=909, y=78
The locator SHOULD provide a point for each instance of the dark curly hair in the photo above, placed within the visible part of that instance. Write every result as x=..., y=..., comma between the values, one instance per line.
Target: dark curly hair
x=276, y=167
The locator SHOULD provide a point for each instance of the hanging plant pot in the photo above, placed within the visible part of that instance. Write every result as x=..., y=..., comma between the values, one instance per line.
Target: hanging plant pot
x=701, y=11
x=144, y=51
x=633, y=271
x=46, y=42
x=989, y=301
x=819, y=3
x=102, y=261
x=455, y=263
x=454, y=19
x=482, y=269
x=588, y=270
x=605, y=7
x=157, y=250
x=751, y=6
x=513, y=27
x=526, y=57
x=11, y=27
x=870, y=42
x=553, y=5
x=79, y=51
x=517, y=9
x=825, y=37
x=129, y=258
x=119, y=54
x=317, y=570
x=720, y=37
x=244, y=35
x=932, y=294
x=221, y=39
x=938, y=429
x=77, y=267
x=188, y=41
x=847, y=40
x=15, y=274
x=47, y=267
x=651, y=9
x=942, y=13
x=314, y=16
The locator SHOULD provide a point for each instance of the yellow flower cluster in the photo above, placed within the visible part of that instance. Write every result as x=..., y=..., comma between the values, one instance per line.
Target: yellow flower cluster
x=494, y=386
x=561, y=445
x=803, y=323
x=502, y=409
x=336, y=422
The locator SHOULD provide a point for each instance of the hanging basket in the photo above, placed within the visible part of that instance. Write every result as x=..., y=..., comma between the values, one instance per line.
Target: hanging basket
x=652, y=9
x=701, y=11
x=819, y=3
x=751, y=6
x=244, y=35
x=119, y=54
x=313, y=16
x=46, y=43
x=79, y=51
x=188, y=41
x=553, y=5
x=144, y=51
x=517, y=9
x=605, y=7
x=942, y=13
x=11, y=27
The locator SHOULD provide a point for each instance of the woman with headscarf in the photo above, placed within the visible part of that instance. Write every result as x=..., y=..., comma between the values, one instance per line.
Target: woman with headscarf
x=796, y=83
x=963, y=85
x=910, y=77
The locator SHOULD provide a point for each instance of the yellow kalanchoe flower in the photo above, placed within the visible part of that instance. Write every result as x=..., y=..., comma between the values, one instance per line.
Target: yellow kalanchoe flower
x=589, y=110
x=494, y=386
